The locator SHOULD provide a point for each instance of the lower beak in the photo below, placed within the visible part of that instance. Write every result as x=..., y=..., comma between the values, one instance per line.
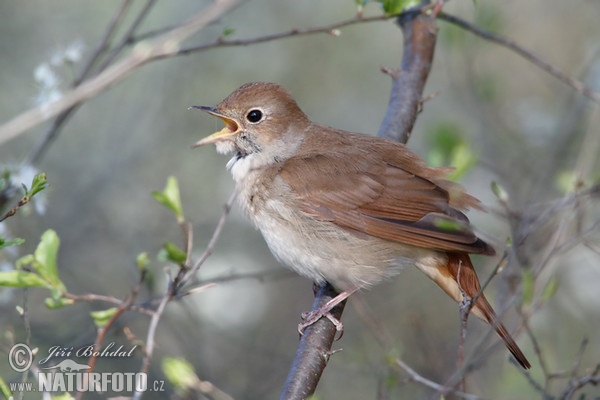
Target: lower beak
x=227, y=133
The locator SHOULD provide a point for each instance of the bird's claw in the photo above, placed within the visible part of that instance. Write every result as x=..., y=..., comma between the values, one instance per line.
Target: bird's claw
x=310, y=317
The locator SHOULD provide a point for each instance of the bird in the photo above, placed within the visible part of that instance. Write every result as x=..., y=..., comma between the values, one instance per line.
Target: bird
x=347, y=208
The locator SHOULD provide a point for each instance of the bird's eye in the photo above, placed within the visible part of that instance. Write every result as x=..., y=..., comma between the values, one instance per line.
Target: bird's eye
x=254, y=116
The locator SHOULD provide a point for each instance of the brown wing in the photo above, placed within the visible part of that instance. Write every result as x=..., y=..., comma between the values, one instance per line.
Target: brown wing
x=382, y=189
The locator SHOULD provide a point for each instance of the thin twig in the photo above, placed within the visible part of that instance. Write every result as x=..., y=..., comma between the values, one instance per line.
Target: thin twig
x=574, y=385
x=211, y=244
x=40, y=148
x=328, y=29
x=530, y=56
x=431, y=384
x=174, y=286
x=90, y=297
x=128, y=35
x=124, y=306
x=165, y=46
x=150, y=337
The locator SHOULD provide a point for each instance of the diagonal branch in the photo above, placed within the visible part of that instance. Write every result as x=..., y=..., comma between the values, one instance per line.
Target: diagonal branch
x=538, y=61
x=164, y=46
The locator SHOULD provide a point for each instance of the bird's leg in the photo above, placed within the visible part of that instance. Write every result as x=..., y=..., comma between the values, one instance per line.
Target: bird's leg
x=310, y=317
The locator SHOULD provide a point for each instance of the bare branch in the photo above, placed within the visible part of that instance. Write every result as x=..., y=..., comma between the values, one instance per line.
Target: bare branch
x=211, y=244
x=165, y=46
x=530, y=56
x=313, y=351
x=414, y=376
x=52, y=132
x=328, y=29
x=420, y=34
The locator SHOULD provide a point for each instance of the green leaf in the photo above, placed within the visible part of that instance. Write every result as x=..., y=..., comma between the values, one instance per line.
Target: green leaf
x=443, y=138
x=462, y=159
x=102, y=317
x=567, y=181
x=12, y=242
x=179, y=373
x=449, y=148
x=528, y=286
x=550, y=289
x=174, y=253
x=45, y=257
x=391, y=7
x=228, y=32
x=24, y=261
x=4, y=389
x=38, y=184
x=22, y=279
x=55, y=304
x=170, y=198
x=142, y=261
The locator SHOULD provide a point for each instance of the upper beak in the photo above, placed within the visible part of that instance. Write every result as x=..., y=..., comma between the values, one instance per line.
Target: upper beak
x=227, y=133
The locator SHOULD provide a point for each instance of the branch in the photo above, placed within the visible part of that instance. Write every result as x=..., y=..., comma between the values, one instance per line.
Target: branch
x=538, y=61
x=332, y=29
x=53, y=131
x=313, y=351
x=420, y=34
x=164, y=46
x=419, y=43
x=414, y=376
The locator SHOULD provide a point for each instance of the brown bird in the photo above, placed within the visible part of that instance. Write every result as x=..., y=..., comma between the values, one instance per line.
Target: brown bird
x=347, y=208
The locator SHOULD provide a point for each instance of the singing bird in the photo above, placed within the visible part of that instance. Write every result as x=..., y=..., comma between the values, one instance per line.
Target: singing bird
x=347, y=208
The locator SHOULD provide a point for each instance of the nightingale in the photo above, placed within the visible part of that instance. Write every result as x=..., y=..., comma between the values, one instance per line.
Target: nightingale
x=347, y=208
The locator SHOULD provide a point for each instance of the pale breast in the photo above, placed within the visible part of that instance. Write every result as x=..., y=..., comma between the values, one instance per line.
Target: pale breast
x=316, y=249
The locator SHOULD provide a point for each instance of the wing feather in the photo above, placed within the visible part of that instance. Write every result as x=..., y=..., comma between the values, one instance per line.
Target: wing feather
x=382, y=189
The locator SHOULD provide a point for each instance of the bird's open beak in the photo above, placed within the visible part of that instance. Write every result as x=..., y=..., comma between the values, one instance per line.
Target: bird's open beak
x=227, y=133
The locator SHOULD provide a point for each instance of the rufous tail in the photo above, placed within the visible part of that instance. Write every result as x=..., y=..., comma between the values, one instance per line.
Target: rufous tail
x=469, y=283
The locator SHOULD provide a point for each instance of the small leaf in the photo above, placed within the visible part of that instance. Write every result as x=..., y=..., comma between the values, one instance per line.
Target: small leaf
x=228, y=32
x=4, y=389
x=462, y=159
x=179, y=373
x=55, y=304
x=568, y=181
x=22, y=279
x=45, y=257
x=449, y=148
x=170, y=198
x=174, y=253
x=392, y=7
x=528, y=286
x=24, y=261
x=550, y=289
x=142, y=261
x=12, y=242
x=38, y=184
x=102, y=317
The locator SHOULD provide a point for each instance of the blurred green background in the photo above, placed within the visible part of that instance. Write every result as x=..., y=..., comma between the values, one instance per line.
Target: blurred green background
x=528, y=131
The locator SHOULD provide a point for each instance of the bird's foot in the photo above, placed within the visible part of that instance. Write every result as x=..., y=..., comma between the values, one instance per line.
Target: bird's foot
x=310, y=317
